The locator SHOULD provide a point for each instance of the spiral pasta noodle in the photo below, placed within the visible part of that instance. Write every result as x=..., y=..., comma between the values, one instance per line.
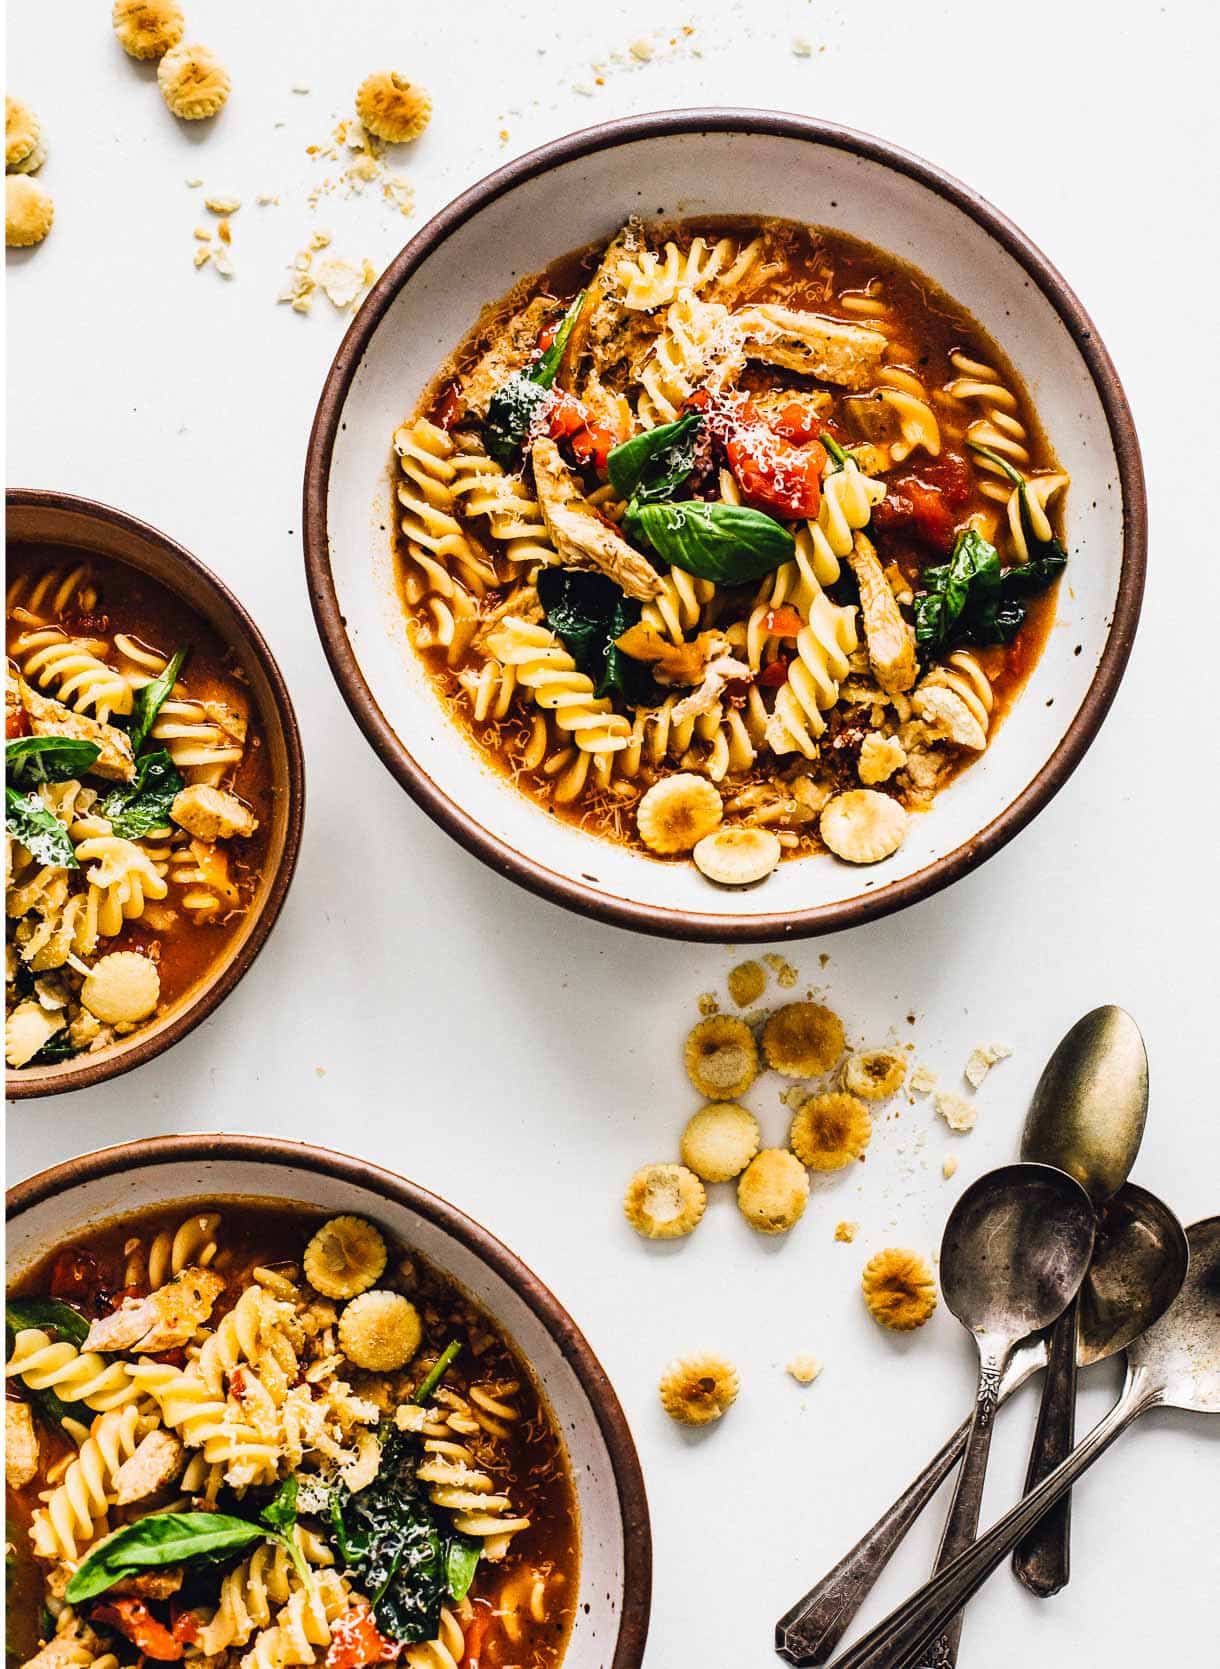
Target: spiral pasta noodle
x=543, y=666
x=74, y=1514
x=445, y=1652
x=254, y=1331
x=193, y=1242
x=301, y=1625
x=649, y=281
x=997, y=425
x=961, y=673
x=70, y=667
x=122, y=878
x=37, y=599
x=73, y=1376
x=452, y=1473
x=204, y=1421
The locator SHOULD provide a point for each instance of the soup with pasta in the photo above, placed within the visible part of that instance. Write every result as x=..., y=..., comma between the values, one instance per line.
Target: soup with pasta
x=137, y=807
x=254, y=1437
x=733, y=540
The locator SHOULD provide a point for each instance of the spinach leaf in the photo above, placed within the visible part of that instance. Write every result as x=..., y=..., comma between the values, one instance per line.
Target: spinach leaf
x=136, y=808
x=970, y=600
x=590, y=613
x=436, y=1372
x=156, y=1540
x=280, y=1517
x=461, y=1561
x=513, y=407
x=727, y=543
x=393, y=1547
x=651, y=467
x=57, y=1048
x=150, y=698
x=48, y=1314
x=39, y=830
x=33, y=759
x=1041, y=550
x=837, y=454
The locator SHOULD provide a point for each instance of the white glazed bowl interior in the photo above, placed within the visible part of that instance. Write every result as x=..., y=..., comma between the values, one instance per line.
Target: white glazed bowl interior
x=443, y=1236
x=584, y=198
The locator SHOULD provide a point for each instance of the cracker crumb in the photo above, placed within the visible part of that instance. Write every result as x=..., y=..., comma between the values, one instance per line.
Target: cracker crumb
x=641, y=50
x=583, y=88
x=223, y=263
x=746, y=982
x=193, y=181
x=958, y=1113
x=949, y=1167
x=341, y=280
x=846, y=1231
x=203, y=234
x=982, y=1060
x=708, y=1003
x=923, y=1080
x=804, y=1368
x=320, y=240
x=202, y=256
x=785, y=974
x=267, y=199
x=224, y=232
x=222, y=205
x=300, y=87
x=801, y=48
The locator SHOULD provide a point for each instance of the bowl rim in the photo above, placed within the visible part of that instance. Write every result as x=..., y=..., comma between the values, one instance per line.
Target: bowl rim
x=569, y=891
x=21, y=1085
x=635, y=1608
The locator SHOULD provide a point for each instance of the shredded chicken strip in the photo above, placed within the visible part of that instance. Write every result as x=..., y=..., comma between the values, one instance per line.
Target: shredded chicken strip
x=580, y=536
x=891, y=643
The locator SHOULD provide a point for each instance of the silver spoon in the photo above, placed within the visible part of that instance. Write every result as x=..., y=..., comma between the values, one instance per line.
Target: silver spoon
x=1175, y=1364
x=1087, y=1117
x=1015, y=1250
x=1137, y=1269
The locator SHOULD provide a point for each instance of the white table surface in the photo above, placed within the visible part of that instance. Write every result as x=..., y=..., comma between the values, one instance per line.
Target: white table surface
x=414, y=1008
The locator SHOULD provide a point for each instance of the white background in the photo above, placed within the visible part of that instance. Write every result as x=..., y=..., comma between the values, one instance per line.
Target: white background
x=413, y=1008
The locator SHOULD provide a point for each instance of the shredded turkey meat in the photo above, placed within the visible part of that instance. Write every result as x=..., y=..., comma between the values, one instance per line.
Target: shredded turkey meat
x=581, y=538
x=164, y=1320
x=891, y=643
x=846, y=354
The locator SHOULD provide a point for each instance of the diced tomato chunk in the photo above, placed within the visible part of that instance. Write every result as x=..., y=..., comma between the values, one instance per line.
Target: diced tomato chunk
x=132, y=1618
x=449, y=408
x=951, y=474
x=16, y=723
x=775, y=673
x=796, y=423
x=911, y=503
x=183, y=1625
x=783, y=622
x=75, y=1274
x=547, y=335
x=564, y=417
x=476, y=1635
x=355, y=1640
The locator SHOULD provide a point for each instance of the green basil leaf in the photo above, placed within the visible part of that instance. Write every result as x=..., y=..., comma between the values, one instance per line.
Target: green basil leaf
x=544, y=370
x=48, y=1315
x=136, y=808
x=590, y=613
x=436, y=1372
x=727, y=543
x=652, y=466
x=510, y=412
x=960, y=596
x=837, y=454
x=150, y=698
x=280, y=1513
x=461, y=1562
x=34, y=759
x=39, y=830
x=156, y=1540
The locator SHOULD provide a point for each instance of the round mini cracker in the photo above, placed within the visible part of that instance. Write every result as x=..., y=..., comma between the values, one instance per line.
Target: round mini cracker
x=803, y=1040
x=393, y=108
x=695, y=1390
x=345, y=1257
x=676, y=813
x=29, y=211
x=380, y=1331
x=193, y=82
x=773, y=1191
x=21, y=132
x=663, y=1202
x=830, y=1131
x=147, y=29
x=874, y=1074
x=721, y=1057
x=863, y=826
x=719, y=1141
x=899, y=1289
x=122, y=988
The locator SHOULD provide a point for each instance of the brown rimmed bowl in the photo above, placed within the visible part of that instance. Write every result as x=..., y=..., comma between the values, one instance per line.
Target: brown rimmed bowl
x=719, y=162
x=53, y=518
x=611, y=1613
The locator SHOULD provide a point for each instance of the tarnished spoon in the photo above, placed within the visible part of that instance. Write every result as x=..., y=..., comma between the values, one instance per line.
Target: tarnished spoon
x=1087, y=1117
x=1136, y=1271
x=1175, y=1364
x=1015, y=1250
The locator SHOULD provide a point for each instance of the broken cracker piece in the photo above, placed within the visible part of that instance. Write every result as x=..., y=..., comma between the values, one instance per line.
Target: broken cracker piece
x=804, y=1368
x=958, y=1113
x=949, y=1166
x=982, y=1060
x=923, y=1080
x=846, y=1231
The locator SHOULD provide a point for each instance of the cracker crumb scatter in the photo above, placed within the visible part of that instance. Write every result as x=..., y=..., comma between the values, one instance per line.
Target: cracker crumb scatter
x=721, y=1058
x=147, y=28
x=193, y=82
x=664, y=1201
x=708, y=1004
x=719, y=1141
x=773, y=1191
x=923, y=1080
x=874, y=1074
x=695, y=1390
x=801, y=48
x=345, y=1257
x=392, y=107
x=21, y=132
x=380, y=1331
x=880, y=757
x=786, y=975
x=803, y=1040
x=899, y=1289
x=746, y=983
x=829, y=1131
x=804, y=1368
x=28, y=211
x=222, y=205
x=949, y=1167
x=846, y=1232
x=958, y=1113
x=863, y=826
x=982, y=1060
